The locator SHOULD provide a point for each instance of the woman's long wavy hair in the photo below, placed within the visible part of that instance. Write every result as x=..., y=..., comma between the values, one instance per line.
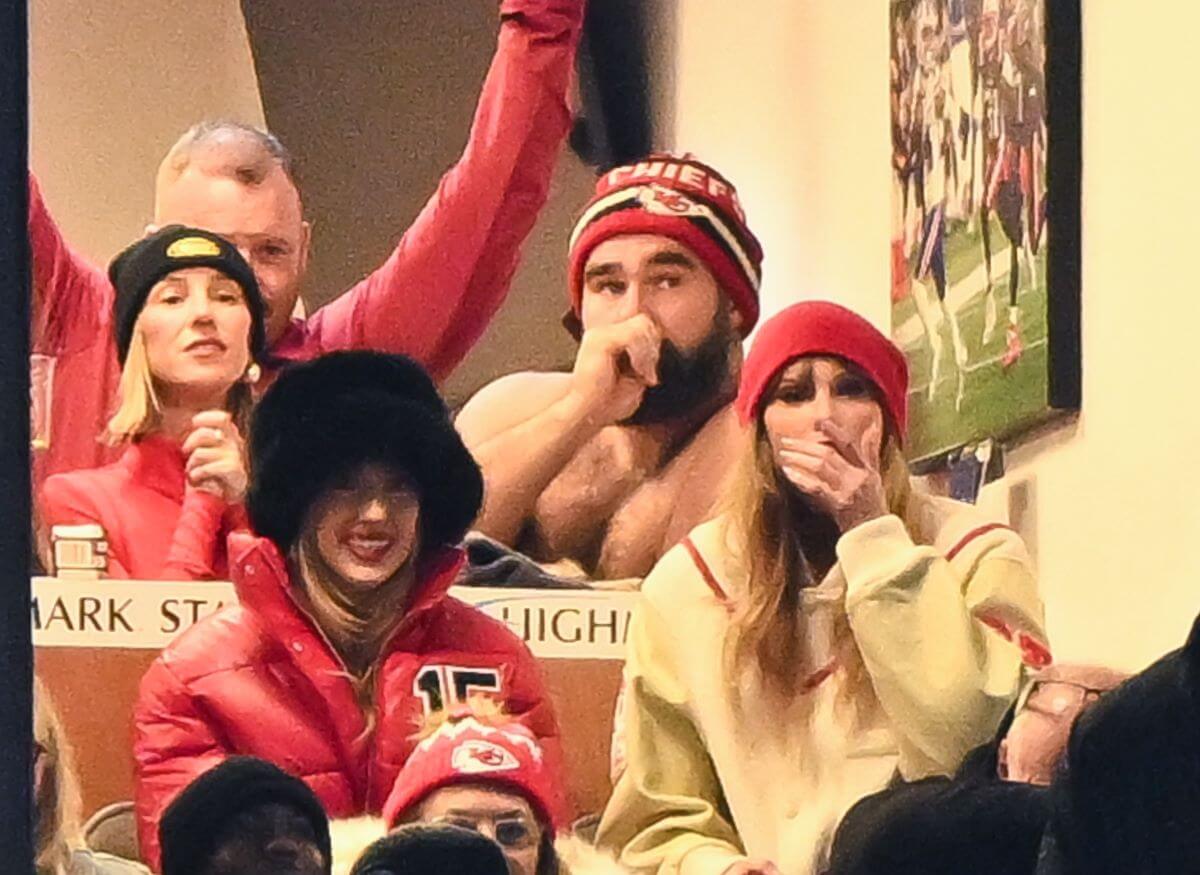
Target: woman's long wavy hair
x=346, y=615
x=767, y=630
x=56, y=803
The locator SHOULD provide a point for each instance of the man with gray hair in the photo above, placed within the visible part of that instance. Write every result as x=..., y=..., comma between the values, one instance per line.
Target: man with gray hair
x=432, y=297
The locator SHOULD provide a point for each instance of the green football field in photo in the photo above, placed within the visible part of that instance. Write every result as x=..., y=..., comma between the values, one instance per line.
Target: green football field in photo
x=996, y=401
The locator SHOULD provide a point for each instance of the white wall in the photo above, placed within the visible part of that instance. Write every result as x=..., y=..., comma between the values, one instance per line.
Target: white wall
x=113, y=83
x=1118, y=522
x=790, y=99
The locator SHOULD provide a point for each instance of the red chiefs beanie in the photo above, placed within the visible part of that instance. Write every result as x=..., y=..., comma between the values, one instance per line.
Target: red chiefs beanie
x=679, y=197
x=824, y=328
x=465, y=750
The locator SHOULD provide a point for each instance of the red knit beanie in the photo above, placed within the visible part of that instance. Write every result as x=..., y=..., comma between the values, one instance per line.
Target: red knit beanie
x=679, y=197
x=465, y=750
x=824, y=328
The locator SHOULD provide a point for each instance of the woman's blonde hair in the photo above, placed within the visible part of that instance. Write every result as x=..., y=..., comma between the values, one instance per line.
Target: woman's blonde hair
x=341, y=619
x=767, y=632
x=56, y=801
x=139, y=411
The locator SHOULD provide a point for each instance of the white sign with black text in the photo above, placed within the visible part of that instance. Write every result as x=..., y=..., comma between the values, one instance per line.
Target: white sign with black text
x=138, y=614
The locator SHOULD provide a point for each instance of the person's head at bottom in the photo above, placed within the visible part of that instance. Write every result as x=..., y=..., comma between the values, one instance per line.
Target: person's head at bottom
x=421, y=849
x=245, y=817
x=481, y=770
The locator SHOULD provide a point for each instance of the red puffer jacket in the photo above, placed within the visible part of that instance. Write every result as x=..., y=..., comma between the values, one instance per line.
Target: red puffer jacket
x=261, y=679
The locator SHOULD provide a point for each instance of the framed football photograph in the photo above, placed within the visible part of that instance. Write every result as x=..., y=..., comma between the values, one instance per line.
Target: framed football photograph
x=986, y=165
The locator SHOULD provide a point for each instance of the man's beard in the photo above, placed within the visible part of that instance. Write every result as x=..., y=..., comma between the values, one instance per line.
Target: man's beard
x=687, y=382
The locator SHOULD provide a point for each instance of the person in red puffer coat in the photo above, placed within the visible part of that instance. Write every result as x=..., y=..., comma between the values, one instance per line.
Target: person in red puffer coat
x=344, y=639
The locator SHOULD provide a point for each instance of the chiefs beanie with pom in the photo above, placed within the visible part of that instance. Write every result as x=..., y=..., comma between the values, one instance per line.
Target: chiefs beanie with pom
x=681, y=198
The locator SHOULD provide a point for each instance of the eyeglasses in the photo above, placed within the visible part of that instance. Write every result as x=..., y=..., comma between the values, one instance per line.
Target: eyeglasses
x=513, y=833
x=1055, y=698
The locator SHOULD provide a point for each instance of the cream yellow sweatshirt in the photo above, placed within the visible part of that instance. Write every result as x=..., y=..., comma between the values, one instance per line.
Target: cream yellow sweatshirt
x=940, y=622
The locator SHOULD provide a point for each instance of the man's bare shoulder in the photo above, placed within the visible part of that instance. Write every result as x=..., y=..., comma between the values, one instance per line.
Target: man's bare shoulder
x=507, y=402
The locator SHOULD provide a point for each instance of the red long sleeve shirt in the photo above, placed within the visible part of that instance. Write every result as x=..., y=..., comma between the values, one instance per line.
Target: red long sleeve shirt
x=431, y=299
x=157, y=528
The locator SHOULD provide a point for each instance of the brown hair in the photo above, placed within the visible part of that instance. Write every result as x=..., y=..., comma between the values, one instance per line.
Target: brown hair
x=345, y=622
x=767, y=634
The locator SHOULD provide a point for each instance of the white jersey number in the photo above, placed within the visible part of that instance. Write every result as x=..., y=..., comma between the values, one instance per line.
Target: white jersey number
x=447, y=686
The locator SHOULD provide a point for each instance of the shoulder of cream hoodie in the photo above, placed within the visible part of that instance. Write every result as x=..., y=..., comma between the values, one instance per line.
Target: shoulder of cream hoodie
x=939, y=607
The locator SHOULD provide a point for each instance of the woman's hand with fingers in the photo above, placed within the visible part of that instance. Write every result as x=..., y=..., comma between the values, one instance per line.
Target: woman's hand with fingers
x=841, y=475
x=216, y=456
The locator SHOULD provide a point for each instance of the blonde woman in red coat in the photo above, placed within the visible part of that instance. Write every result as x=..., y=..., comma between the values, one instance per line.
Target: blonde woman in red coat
x=188, y=319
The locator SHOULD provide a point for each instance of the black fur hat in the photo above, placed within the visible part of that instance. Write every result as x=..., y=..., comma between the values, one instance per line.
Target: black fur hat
x=323, y=418
x=419, y=849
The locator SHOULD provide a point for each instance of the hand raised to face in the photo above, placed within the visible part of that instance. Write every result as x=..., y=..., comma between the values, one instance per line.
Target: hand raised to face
x=839, y=474
x=615, y=365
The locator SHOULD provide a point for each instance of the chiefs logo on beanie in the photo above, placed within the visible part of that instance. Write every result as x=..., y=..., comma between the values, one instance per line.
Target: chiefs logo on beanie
x=681, y=198
x=478, y=757
x=468, y=750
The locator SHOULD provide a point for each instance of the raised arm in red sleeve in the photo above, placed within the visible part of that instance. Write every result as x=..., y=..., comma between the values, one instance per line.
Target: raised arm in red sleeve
x=71, y=298
x=71, y=329
x=450, y=272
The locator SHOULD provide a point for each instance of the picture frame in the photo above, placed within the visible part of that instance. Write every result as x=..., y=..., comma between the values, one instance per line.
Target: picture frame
x=985, y=247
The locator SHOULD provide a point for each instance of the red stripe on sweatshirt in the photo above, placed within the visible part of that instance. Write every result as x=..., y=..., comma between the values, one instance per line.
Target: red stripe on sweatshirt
x=972, y=535
x=705, y=571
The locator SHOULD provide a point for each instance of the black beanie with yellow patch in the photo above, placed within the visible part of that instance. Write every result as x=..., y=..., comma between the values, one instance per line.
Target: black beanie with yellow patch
x=140, y=265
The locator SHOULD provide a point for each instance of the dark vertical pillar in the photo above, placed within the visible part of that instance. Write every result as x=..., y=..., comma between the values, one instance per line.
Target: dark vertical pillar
x=614, y=83
x=16, y=655
x=1064, y=174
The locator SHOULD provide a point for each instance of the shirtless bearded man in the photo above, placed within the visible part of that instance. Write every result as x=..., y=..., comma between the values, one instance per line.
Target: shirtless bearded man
x=611, y=464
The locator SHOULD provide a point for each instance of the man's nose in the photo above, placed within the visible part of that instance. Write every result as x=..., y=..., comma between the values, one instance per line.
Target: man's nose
x=633, y=301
